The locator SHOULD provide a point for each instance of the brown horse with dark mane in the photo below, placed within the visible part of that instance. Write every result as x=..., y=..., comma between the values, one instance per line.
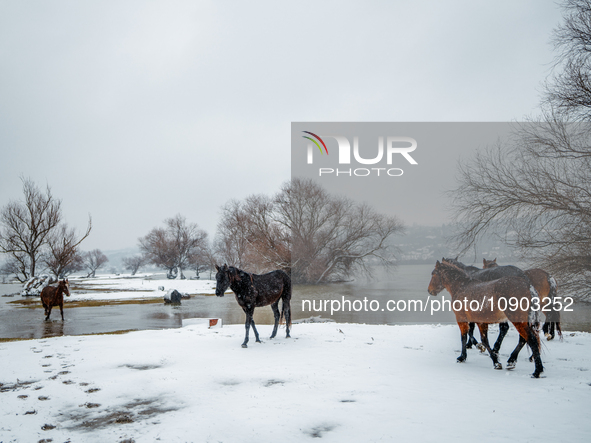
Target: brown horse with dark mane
x=254, y=290
x=545, y=285
x=54, y=296
x=489, y=302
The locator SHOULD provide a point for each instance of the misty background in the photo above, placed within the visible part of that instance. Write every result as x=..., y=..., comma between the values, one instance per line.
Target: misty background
x=133, y=111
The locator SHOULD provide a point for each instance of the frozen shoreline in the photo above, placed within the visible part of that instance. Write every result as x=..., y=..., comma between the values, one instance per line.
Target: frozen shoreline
x=126, y=287
x=341, y=382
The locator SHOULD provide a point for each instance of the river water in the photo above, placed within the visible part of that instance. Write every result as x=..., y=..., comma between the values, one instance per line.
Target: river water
x=405, y=283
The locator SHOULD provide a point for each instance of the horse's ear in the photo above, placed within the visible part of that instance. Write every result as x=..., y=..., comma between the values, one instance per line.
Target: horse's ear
x=495, y=260
x=437, y=264
x=457, y=257
x=217, y=268
x=484, y=261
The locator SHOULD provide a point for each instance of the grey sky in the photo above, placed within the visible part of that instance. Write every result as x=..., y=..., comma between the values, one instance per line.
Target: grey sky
x=135, y=111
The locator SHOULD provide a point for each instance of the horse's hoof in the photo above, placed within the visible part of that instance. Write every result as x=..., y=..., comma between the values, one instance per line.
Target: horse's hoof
x=258, y=341
x=460, y=360
x=288, y=336
x=244, y=345
x=531, y=359
x=536, y=374
x=481, y=347
x=510, y=365
x=498, y=366
x=468, y=346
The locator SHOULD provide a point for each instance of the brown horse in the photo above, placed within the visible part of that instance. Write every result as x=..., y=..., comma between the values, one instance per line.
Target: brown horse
x=489, y=302
x=254, y=290
x=54, y=296
x=545, y=285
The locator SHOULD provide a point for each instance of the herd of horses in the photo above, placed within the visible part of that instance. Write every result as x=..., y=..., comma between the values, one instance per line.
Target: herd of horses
x=497, y=291
x=499, y=294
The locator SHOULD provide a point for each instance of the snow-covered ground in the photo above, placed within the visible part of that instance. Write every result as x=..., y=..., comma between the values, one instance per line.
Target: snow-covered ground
x=338, y=382
x=140, y=286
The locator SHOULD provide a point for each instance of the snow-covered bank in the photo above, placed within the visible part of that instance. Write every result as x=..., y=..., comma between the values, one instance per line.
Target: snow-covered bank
x=338, y=382
x=125, y=287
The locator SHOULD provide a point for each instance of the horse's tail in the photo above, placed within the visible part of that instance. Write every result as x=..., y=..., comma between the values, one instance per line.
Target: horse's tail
x=533, y=316
x=285, y=301
x=533, y=319
x=554, y=315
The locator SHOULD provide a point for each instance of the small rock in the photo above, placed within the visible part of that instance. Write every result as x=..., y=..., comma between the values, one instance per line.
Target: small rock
x=173, y=297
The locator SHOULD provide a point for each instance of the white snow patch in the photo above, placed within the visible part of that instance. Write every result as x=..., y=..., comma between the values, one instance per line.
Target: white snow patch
x=111, y=287
x=338, y=382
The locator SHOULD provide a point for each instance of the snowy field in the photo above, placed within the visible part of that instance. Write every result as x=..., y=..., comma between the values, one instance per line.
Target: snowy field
x=334, y=382
x=140, y=286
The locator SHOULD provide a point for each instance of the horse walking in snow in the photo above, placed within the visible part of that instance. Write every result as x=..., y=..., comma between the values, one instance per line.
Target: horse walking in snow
x=254, y=290
x=54, y=296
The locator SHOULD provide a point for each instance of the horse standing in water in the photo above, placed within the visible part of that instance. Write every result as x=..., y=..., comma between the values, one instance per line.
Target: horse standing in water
x=545, y=285
x=253, y=291
x=488, y=296
x=54, y=296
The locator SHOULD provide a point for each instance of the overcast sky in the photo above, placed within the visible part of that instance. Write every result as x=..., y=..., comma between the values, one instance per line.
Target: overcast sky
x=134, y=111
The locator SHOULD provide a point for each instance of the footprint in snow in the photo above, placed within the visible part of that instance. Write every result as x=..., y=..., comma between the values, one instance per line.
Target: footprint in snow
x=319, y=431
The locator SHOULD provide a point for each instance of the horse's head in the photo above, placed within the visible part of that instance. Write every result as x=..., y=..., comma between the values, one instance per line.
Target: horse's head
x=223, y=278
x=436, y=283
x=446, y=272
x=64, y=286
x=489, y=263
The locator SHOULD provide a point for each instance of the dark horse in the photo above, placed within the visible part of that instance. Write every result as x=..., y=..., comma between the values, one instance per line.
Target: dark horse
x=54, y=296
x=489, y=297
x=483, y=275
x=545, y=285
x=253, y=291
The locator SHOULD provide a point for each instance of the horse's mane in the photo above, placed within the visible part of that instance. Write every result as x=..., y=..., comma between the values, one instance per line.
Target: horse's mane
x=455, y=268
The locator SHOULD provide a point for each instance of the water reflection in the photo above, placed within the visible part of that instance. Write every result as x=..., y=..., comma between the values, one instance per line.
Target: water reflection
x=53, y=328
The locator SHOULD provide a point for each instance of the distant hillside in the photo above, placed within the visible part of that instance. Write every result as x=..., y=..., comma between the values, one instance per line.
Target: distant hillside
x=426, y=244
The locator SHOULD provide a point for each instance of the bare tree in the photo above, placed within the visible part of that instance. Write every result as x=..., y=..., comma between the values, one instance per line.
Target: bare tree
x=62, y=256
x=568, y=92
x=535, y=189
x=230, y=244
x=175, y=246
x=93, y=260
x=134, y=263
x=25, y=227
x=306, y=231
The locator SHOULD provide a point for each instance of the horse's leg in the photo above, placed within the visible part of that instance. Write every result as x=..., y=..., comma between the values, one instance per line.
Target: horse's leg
x=546, y=328
x=256, y=333
x=464, y=332
x=48, y=311
x=471, y=339
x=513, y=357
x=275, y=307
x=529, y=334
x=285, y=306
x=483, y=328
x=247, y=324
x=503, y=329
x=62, y=310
